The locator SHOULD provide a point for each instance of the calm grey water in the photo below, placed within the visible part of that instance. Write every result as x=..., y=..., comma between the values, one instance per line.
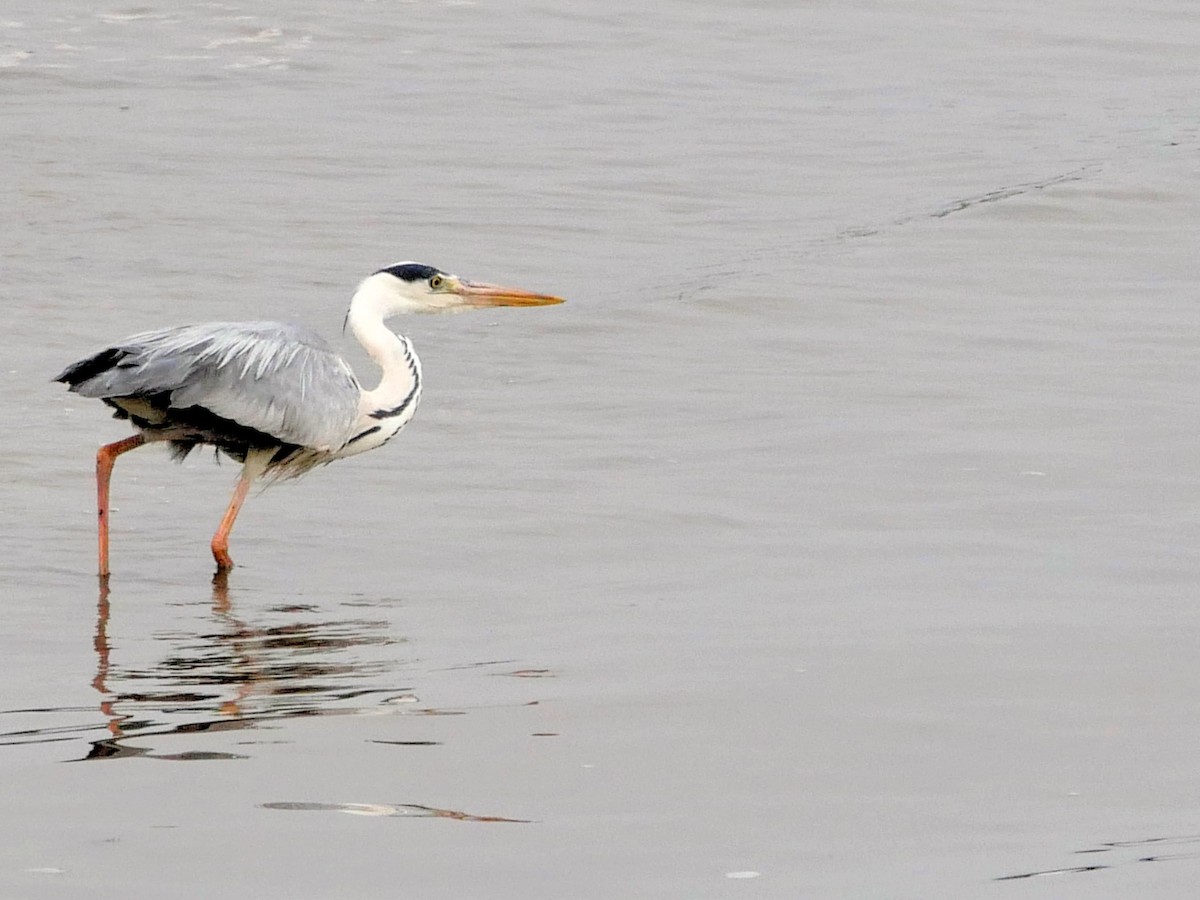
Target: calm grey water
x=837, y=538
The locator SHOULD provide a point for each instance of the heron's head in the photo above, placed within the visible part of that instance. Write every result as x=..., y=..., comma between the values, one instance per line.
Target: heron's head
x=410, y=287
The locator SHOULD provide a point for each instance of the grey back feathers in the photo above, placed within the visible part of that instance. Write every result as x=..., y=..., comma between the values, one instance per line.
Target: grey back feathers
x=278, y=379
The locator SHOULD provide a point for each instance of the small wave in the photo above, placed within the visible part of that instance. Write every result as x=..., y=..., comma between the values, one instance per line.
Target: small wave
x=265, y=36
x=136, y=14
x=13, y=59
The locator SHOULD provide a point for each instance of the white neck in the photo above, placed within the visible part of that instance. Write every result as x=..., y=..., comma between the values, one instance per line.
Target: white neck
x=401, y=371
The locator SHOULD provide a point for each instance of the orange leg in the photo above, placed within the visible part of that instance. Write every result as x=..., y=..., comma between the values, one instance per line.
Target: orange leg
x=220, y=541
x=105, y=457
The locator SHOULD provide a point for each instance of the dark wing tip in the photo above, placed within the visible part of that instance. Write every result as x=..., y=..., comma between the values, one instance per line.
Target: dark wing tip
x=81, y=371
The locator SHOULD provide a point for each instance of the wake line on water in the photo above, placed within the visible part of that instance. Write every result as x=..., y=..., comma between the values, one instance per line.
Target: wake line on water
x=710, y=277
x=1014, y=191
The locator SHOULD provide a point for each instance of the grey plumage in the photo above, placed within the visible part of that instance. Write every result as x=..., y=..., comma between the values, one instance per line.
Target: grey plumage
x=237, y=385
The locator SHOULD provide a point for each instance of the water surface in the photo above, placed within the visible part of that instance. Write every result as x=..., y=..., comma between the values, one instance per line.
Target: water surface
x=836, y=538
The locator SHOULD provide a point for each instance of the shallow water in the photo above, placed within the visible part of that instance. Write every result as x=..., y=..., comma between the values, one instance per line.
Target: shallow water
x=836, y=538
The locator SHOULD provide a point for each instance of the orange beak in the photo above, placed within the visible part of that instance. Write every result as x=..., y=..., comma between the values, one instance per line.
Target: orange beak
x=480, y=294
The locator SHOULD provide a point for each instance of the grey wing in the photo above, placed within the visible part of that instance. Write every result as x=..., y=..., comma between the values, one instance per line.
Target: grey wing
x=280, y=379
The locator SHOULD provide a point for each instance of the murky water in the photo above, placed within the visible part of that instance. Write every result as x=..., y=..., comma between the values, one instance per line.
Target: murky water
x=838, y=538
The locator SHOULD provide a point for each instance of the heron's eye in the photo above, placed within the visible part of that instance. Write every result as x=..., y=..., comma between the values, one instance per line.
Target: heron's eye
x=436, y=282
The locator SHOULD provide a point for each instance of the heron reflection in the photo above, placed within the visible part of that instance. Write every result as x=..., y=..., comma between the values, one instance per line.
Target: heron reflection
x=234, y=675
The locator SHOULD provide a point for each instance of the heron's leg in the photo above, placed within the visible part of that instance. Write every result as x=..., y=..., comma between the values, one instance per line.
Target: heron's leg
x=220, y=541
x=255, y=465
x=105, y=457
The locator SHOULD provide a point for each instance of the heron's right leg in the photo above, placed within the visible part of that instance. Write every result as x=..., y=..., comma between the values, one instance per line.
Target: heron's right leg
x=255, y=465
x=105, y=457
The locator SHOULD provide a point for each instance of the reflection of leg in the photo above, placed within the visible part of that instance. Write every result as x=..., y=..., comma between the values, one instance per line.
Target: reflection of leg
x=100, y=640
x=255, y=465
x=105, y=457
x=220, y=592
x=100, y=682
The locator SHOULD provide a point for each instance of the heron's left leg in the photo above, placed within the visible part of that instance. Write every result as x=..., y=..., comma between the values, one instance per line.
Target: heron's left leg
x=255, y=465
x=105, y=457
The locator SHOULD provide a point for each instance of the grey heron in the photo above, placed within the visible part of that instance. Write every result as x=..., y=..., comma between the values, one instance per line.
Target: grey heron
x=275, y=397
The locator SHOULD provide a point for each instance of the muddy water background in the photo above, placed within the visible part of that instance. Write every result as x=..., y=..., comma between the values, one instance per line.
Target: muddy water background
x=837, y=538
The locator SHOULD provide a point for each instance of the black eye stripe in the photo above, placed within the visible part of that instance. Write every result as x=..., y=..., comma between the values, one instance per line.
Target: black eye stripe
x=411, y=272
